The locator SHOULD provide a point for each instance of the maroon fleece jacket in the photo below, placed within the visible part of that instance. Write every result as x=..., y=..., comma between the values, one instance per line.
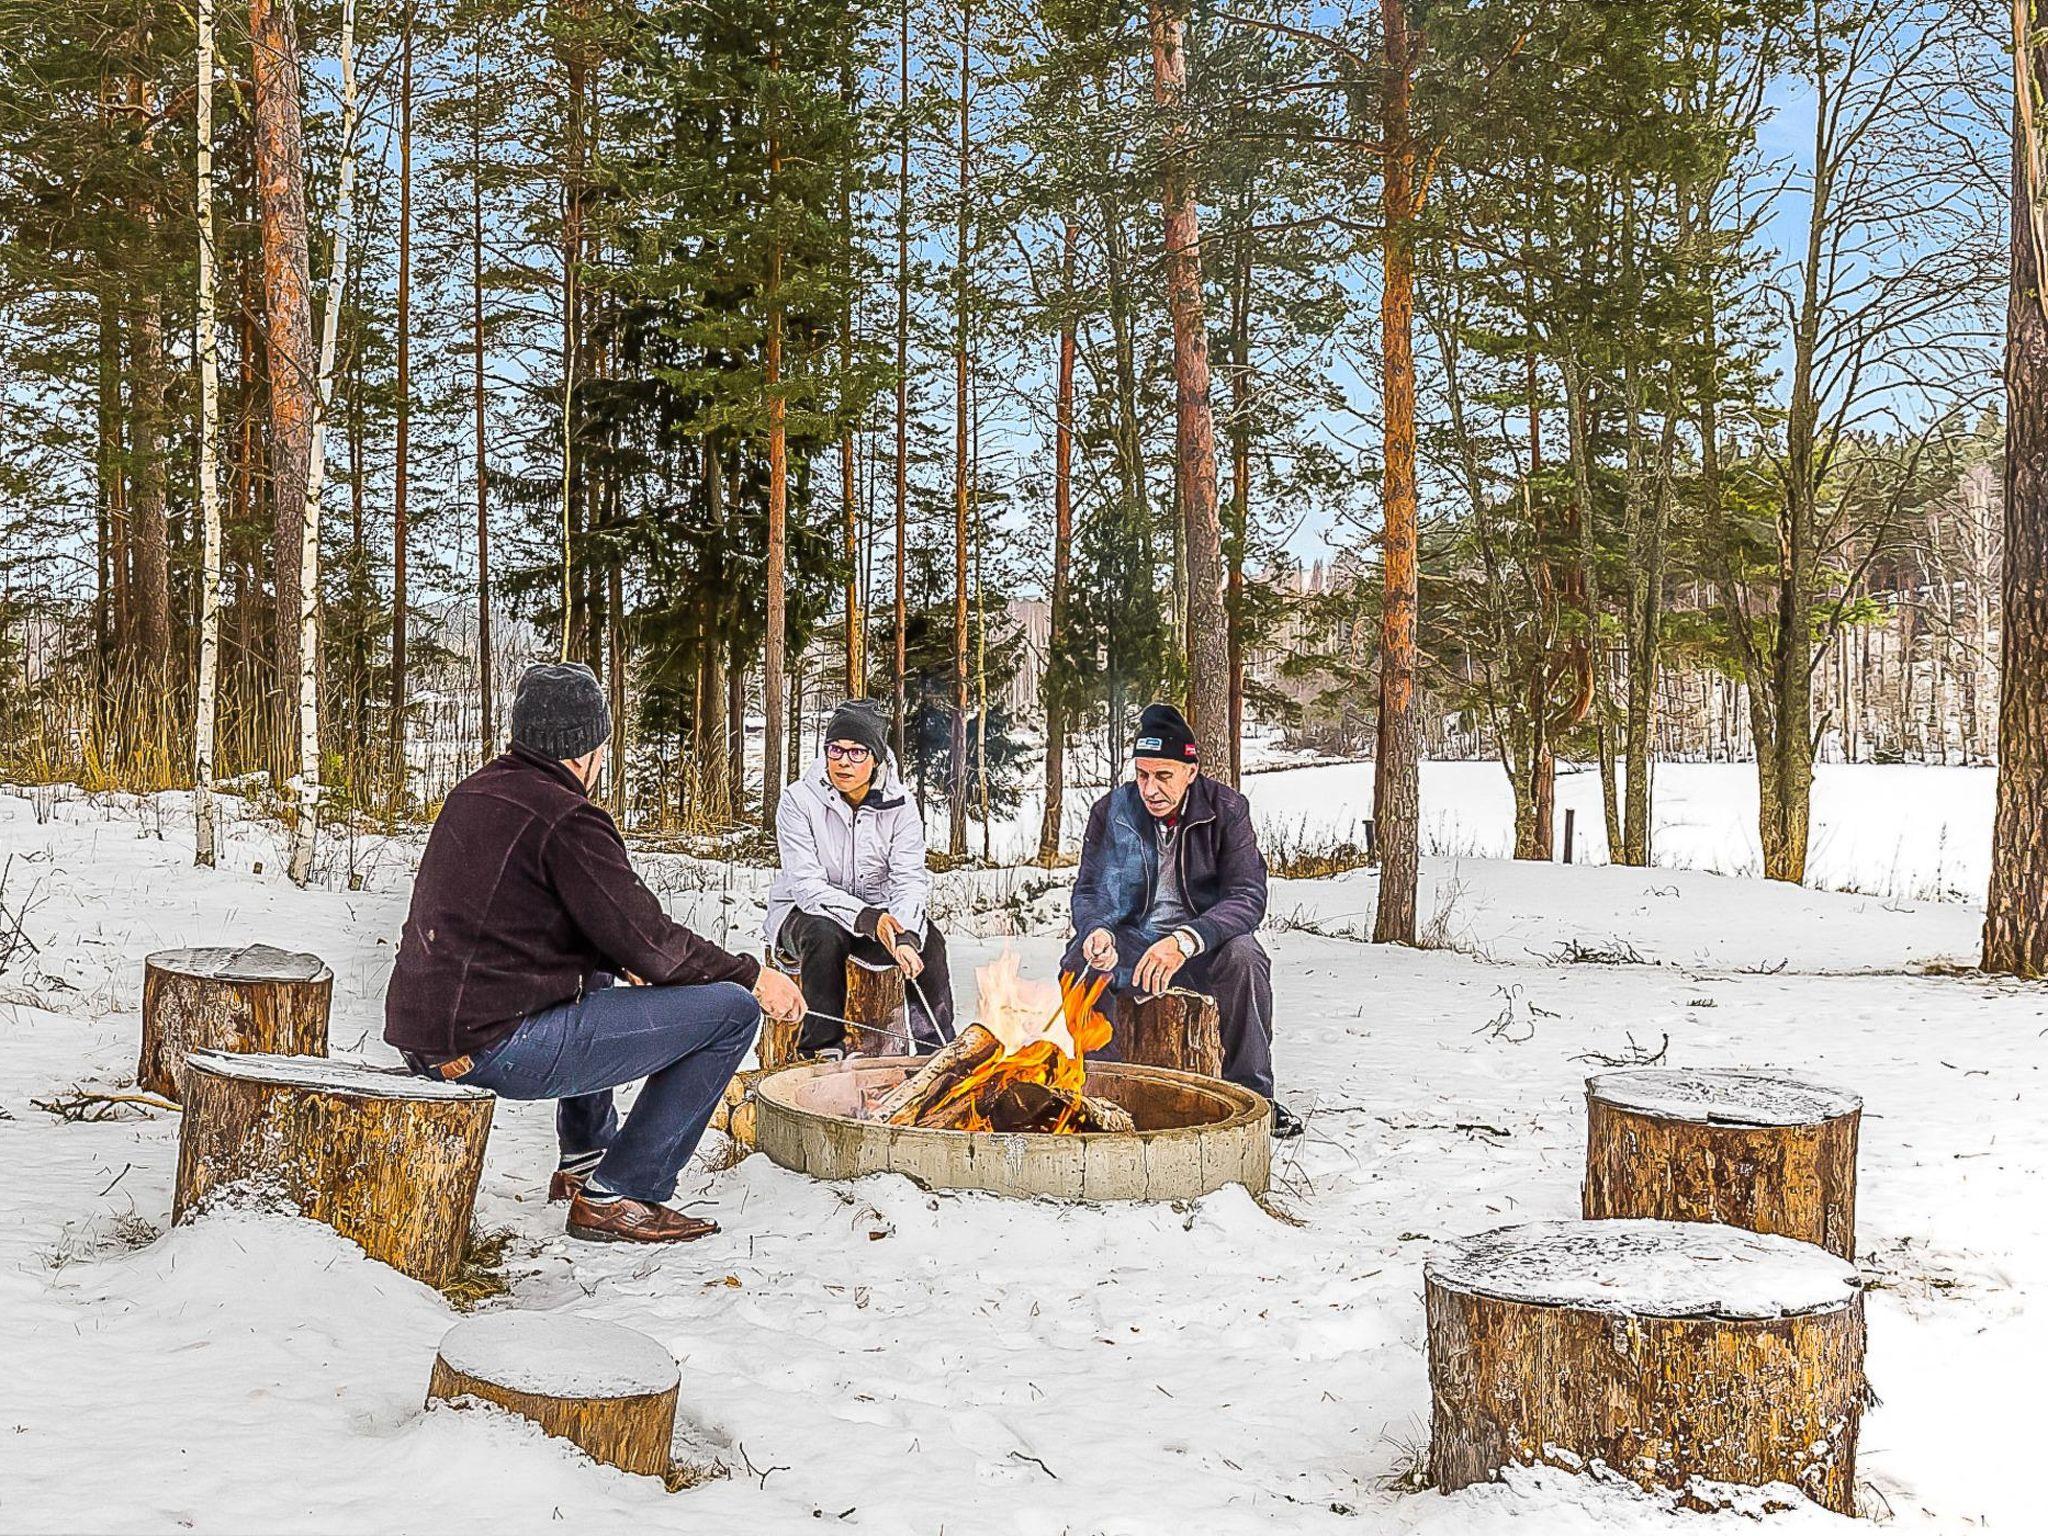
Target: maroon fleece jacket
x=523, y=892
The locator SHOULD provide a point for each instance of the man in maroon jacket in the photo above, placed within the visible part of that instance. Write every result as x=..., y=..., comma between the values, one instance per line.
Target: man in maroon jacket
x=524, y=911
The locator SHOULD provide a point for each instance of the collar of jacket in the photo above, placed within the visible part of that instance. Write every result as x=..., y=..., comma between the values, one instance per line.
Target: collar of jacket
x=885, y=793
x=548, y=765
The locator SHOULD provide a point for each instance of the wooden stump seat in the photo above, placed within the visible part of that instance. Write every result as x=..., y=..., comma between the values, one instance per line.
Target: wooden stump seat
x=1180, y=1030
x=610, y=1390
x=1773, y=1154
x=874, y=995
x=255, y=999
x=389, y=1160
x=1668, y=1351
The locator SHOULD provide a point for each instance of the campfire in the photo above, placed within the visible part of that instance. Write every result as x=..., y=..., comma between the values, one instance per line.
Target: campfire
x=1022, y=1067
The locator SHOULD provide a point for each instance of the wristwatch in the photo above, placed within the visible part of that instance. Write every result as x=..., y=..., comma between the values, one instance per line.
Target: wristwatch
x=1190, y=945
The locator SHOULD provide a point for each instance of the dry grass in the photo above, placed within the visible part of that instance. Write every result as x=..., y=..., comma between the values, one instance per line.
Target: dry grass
x=684, y=1475
x=481, y=1276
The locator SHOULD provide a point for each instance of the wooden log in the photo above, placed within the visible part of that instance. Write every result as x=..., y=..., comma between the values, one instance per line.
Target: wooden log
x=1179, y=1030
x=1772, y=1154
x=610, y=1390
x=874, y=996
x=252, y=999
x=389, y=1160
x=1029, y=1106
x=734, y=1114
x=975, y=1046
x=1668, y=1351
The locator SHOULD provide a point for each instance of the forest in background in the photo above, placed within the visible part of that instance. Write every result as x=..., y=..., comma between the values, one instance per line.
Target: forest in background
x=758, y=354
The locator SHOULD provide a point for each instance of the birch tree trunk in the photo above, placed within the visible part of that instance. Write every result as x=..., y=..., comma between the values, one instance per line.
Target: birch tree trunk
x=2016, y=910
x=1395, y=788
x=300, y=862
x=485, y=682
x=205, y=813
x=902, y=376
x=1208, y=623
x=401, y=457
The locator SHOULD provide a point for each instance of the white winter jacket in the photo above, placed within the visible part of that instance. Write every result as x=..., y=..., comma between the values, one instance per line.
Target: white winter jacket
x=838, y=860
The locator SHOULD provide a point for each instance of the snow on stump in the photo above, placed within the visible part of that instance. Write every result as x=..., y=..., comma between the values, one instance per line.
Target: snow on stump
x=1668, y=1351
x=389, y=1160
x=253, y=999
x=1179, y=1030
x=610, y=1390
x=1772, y=1154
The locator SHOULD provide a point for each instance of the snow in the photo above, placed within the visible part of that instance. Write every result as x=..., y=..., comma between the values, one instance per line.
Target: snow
x=1648, y=1269
x=552, y=1354
x=331, y=1074
x=1720, y=1097
x=251, y=962
x=917, y=1362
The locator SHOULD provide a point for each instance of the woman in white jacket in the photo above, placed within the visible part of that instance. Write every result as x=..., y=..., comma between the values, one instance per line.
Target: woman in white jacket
x=853, y=882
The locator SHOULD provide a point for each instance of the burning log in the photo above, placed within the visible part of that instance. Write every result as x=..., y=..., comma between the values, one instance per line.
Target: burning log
x=974, y=1048
x=1039, y=1107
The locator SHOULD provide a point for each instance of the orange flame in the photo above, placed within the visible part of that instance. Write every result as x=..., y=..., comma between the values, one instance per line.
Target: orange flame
x=1041, y=1058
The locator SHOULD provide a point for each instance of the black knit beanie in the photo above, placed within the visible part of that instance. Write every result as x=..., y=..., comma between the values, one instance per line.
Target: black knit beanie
x=860, y=720
x=1163, y=732
x=560, y=711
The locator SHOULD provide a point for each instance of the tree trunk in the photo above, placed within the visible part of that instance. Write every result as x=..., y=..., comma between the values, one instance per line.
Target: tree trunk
x=486, y=684
x=2016, y=908
x=253, y=999
x=902, y=465
x=1396, y=799
x=206, y=344
x=774, y=651
x=401, y=459
x=288, y=332
x=1053, y=682
x=149, y=523
x=1208, y=624
x=956, y=839
x=1240, y=485
x=299, y=864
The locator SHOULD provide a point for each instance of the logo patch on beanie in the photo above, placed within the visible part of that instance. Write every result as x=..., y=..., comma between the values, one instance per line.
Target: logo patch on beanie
x=1148, y=743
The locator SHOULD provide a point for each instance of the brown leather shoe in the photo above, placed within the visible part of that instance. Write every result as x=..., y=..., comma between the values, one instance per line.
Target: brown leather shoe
x=565, y=1186
x=633, y=1221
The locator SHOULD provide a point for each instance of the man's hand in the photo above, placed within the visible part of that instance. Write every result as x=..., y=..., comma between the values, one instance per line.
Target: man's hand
x=1154, y=972
x=779, y=997
x=1099, y=950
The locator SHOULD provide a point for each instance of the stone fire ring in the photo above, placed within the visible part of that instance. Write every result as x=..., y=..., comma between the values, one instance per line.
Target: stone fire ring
x=1195, y=1134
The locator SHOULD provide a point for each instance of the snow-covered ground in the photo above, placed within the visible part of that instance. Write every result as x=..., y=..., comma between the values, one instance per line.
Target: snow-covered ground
x=1889, y=830
x=875, y=1357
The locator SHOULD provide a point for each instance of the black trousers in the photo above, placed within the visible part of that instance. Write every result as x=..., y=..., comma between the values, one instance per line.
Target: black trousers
x=1239, y=976
x=821, y=949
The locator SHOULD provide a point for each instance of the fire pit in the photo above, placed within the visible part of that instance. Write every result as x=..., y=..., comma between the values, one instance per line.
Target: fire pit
x=1192, y=1135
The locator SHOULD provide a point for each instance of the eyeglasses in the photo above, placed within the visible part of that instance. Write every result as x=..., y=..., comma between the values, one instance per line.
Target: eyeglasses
x=847, y=754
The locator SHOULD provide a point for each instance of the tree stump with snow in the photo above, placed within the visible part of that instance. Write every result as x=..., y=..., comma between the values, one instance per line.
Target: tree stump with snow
x=1180, y=1030
x=253, y=999
x=1772, y=1154
x=389, y=1160
x=1668, y=1351
x=608, y=1389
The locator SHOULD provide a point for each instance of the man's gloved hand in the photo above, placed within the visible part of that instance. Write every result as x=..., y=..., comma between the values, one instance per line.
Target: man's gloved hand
x=1099, y=950
x=779, y=997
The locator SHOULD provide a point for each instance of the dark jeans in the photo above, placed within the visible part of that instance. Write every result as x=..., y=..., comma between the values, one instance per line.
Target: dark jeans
x=685, y=1041
x=821, y=949
x=1239, y=976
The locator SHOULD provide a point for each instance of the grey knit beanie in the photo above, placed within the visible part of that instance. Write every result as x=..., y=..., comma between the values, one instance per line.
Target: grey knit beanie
x=560, y=711
x=860, y=720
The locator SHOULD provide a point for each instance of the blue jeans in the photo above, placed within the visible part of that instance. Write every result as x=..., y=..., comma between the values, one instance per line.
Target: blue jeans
x=686, y=1041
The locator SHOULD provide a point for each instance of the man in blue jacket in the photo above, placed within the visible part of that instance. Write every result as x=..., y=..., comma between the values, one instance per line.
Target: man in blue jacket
x=1171, y=891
